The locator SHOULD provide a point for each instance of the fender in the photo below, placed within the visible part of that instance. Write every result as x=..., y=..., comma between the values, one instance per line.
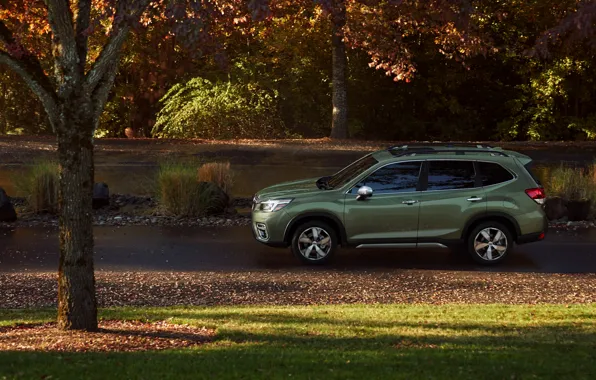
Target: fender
x=313, y=215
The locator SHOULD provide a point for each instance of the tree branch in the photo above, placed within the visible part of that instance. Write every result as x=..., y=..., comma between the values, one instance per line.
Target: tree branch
x=63, y=39
x=82, y=20
x=109, y=53
x=99, y=97
x=111, y=50
x=29, y=68
x=48, y=98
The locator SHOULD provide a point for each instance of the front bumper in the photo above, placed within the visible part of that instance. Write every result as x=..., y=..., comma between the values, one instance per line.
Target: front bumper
x=269, y=227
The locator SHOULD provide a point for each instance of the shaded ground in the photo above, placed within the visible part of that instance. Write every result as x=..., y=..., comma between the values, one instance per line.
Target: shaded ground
x=23, y=149
x=121, y=336
x=224, y=266
x=129, y=166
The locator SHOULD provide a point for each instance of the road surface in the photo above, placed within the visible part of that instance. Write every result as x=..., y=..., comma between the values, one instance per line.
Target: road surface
x=233, y=249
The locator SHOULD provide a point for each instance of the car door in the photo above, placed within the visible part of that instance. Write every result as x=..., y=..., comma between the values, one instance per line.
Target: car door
x=390, y=215
x=452, y=195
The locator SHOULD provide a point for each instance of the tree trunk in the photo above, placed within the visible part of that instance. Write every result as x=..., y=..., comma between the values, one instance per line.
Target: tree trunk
x=339, y=126
x=77, y=306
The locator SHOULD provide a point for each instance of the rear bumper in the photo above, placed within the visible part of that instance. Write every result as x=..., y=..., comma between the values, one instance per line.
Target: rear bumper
x=530, y=238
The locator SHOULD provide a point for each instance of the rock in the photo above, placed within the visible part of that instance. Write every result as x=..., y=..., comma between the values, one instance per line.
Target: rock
x=578, y=210
x=101, y=195
x=7, y=211
x=555, y=208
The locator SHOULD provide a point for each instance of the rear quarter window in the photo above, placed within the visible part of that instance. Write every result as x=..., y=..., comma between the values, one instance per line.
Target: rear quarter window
x=529, y=169
x=493, y=173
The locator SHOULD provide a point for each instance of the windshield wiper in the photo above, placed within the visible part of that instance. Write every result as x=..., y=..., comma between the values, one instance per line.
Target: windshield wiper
x=323, y=183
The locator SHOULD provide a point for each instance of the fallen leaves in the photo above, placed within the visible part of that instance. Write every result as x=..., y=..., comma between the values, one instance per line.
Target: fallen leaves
x=306, y=287
x=113, y=335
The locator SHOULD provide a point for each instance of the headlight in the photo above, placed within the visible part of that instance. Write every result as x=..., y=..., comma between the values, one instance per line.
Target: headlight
x=273, y=205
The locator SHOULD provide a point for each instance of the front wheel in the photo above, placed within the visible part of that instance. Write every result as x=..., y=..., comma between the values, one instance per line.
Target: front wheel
x=314, y=242
x=489, y=243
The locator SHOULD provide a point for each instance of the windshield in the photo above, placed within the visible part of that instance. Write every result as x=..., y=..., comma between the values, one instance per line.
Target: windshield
x=346, y=174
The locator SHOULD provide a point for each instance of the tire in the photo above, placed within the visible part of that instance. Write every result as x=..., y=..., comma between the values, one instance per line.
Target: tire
x=314, y=254
x=484, y=241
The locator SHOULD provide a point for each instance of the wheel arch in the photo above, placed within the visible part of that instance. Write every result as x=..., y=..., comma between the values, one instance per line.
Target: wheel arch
x=326, y=217
x=500, y=217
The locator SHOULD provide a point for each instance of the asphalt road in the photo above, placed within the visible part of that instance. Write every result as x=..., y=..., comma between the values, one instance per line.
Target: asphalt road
x=233, y=249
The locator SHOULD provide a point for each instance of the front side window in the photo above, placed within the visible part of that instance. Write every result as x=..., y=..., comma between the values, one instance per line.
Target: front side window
x=451, y=175
x=394, y=178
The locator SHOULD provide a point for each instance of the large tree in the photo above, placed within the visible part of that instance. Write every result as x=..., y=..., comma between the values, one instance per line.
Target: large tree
x=75, y=94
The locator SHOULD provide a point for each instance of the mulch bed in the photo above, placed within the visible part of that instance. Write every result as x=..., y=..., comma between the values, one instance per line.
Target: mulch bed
x=113, y=335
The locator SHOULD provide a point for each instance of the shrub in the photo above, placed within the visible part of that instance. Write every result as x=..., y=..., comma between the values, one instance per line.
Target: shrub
x=574, y=184
x=221, y=110
x=40, y=187
x=218, y=173
x=181, y=194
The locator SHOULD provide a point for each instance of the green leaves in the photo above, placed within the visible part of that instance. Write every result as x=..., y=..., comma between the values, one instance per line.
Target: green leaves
x=220, y=110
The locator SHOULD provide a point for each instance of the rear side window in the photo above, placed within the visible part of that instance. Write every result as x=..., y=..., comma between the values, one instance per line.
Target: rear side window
x=451, y=175
x=493, y=174
x=395, y=178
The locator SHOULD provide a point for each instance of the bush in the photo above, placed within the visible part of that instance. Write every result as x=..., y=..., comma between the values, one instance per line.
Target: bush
x=202, y=109
x=573, y=184
x=40, y=187
x=181, y=194
x=218, y=173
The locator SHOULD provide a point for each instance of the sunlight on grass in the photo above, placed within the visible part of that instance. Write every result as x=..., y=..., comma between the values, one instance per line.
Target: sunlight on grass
x=348, y=341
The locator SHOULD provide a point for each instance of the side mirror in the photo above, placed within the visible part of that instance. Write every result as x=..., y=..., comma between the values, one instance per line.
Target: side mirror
x=364, y=192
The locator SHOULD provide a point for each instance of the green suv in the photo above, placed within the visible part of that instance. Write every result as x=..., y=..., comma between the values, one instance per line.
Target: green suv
x=478, y=197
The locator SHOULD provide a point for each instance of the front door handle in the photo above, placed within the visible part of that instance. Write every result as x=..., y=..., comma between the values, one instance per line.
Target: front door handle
x=474, y=199
x=410, y=202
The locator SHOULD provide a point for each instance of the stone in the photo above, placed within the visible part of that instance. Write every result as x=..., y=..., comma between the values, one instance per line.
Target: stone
x=101, y=195
x=578, y=210
x=7, y=211
x=555, y=208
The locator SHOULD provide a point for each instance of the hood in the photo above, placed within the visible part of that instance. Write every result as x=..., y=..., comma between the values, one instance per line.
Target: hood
x=290, y=189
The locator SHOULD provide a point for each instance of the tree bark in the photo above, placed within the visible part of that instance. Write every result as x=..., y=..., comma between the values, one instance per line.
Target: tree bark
x=339, y=125
x=77, y=305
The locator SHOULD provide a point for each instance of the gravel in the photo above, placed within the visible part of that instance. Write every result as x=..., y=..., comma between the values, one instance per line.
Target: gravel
x=131, y=210
x=306, y=287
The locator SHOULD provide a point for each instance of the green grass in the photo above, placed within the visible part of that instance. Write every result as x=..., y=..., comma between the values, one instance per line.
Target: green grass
x=352, y=341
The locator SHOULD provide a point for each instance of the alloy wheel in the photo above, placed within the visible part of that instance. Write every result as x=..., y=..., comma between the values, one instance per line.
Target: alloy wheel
x=314, y=243
x=490, y=244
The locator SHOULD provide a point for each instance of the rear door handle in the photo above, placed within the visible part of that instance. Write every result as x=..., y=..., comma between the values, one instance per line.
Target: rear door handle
x=474, y=199
x=410, y=202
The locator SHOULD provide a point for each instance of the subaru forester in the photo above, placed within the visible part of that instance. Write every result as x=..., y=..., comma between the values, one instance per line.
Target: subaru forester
x=477, y=198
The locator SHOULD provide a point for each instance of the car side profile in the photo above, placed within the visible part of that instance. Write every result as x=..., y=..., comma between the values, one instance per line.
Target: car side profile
x=480, y=198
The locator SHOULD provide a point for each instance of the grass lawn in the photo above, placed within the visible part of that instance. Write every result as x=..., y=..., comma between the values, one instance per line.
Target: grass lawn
x=348, y=341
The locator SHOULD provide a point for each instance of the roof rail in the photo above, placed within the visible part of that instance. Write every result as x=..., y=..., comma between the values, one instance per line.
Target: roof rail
x=445, y=145
x=409, y=151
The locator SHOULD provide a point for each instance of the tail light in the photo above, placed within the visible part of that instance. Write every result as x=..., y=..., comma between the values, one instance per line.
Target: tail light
x=537, y=194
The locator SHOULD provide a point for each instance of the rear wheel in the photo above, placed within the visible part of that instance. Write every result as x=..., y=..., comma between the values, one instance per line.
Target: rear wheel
x=489, y=243
x=314, y=242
